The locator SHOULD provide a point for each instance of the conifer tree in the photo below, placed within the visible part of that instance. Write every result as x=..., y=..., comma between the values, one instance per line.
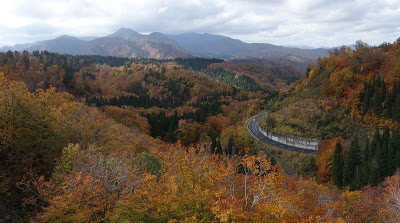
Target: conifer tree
x=219, y=148
x=375, y=172
x=171, y=132
x=230, y=147
x=365, y=169
x=337, y=166
x=350, y=163
x=376, y=140
x=396, y=109
x=213, y=144
x=385, y=150
x=396, y=145
x=366, y=98
x=391, y=157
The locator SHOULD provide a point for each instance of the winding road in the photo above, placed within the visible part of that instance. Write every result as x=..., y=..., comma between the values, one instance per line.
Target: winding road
x=252, y=127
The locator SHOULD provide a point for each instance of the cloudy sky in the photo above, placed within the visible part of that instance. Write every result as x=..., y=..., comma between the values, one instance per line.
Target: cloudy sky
x=281, y=22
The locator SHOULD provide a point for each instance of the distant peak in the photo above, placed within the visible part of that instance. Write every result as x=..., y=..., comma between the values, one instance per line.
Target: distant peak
x=126, y=32
x=66, y=37
x=155, y=33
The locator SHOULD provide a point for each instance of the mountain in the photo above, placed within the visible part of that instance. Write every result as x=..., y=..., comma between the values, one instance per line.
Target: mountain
x=124, y=32
x=208, y=45
x=132, y=47
x=123, y=43
x=128, y=33
x=62, y=44
x=129, y=43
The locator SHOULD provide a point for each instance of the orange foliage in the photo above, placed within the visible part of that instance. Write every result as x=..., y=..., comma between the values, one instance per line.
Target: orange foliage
x=324, y=158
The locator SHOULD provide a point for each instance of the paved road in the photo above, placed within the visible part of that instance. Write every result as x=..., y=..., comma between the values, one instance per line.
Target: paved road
x=289, y=171
x=252, y=126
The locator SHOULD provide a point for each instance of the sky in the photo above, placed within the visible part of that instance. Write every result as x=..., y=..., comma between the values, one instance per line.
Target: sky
x=281, y=22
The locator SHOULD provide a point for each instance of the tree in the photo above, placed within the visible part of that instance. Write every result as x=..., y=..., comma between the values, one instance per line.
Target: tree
x=324, y=158
x=213, y=144
x=365, y=166
x=351, y=168
x=88, y=184
x=231, y=146
x=375, y=171
x=337, y=167
x=219, y=148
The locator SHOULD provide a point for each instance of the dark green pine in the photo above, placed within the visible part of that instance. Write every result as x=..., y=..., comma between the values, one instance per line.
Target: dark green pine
x=350, y=163
x=337, y=166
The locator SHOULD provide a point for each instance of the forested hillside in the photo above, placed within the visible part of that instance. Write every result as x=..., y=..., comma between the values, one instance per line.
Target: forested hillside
x=351, y=99
x=105, y=139
x=298, y=63
x=360, y=86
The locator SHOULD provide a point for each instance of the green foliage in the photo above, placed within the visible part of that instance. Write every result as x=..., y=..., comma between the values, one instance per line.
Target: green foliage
x=351, y=169
x=93, y=59
x=231, y=147
x=380, y=159
x=270, y=122
x=150, y=161
x=309, y=166
x=380, y=101
x=197, y=63
x=337, y=166
x=242, y=81
x=218, y=148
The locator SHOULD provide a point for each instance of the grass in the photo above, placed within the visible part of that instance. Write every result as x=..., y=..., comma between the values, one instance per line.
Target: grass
x=297, y=117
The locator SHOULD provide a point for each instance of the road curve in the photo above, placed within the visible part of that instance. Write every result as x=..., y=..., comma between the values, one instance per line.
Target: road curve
x=252, y=127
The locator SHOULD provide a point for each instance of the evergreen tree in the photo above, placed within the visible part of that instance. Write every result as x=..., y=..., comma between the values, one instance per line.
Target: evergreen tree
x=230, y=147
x=337, y=166
x=171, y=135
x=376, y=140
x=365, y=168
x=213, y=144
x=388, y=105
x=375, y=172
x=350, y=163
x=396, y=145
x=396, y=109
x=236, y=149
x=366, y=98
x=219, y=148
x=391, y=157
x=383, y=162
x=377, y=102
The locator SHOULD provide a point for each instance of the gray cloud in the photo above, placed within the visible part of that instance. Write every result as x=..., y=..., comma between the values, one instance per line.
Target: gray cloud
x=281, y=22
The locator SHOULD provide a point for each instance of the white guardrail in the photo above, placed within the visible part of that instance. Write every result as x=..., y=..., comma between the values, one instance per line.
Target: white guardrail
x=296, y=141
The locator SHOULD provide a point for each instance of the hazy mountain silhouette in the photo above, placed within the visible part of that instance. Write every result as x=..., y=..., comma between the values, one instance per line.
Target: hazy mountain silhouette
x=129, y=43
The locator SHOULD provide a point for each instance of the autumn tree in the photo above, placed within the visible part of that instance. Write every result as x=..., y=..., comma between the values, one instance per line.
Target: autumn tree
x=324, y=158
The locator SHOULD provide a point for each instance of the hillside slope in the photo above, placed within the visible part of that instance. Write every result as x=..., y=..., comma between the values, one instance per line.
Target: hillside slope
x=131, y=47
x=349, y=90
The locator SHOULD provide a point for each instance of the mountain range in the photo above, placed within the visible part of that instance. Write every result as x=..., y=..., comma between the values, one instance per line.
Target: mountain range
x=129, y=43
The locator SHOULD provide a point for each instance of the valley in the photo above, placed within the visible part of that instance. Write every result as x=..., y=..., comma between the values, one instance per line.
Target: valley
x=98, y=138
x=199, y=111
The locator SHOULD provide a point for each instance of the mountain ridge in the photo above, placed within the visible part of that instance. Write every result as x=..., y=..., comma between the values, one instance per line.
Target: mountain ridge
x=162, y=46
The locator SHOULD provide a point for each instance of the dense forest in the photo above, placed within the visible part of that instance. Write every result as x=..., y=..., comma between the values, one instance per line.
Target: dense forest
x=105, y=139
